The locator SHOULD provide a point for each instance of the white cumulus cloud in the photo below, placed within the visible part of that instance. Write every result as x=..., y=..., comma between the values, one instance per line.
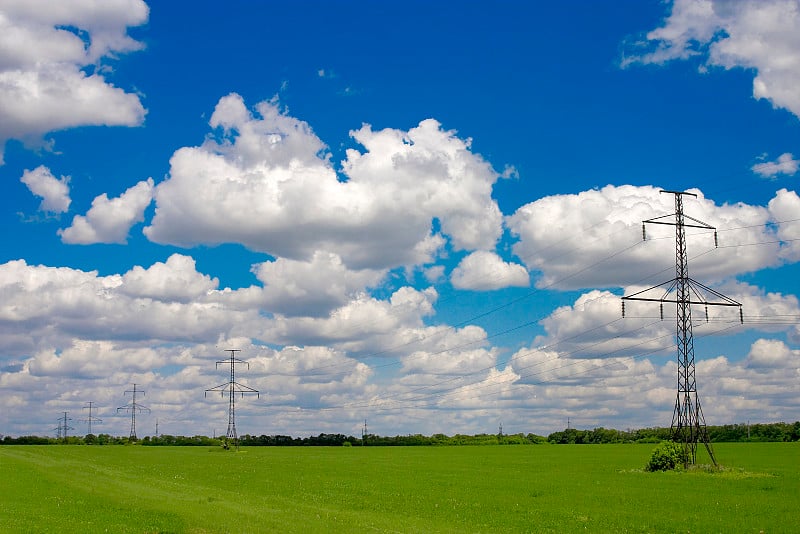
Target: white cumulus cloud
x=176, y=279
x=110, y=220
x=483, y=270
x=752, y=34
x=594, y=238
x=785, y=164
x=311, y=288
x=53, y=192
x=784, y=209
x=49, y=306
x=50, y=57
x=267, y=183
x=593, y=326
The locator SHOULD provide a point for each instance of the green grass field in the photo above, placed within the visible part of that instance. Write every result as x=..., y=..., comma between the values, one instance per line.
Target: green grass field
x=543, y=488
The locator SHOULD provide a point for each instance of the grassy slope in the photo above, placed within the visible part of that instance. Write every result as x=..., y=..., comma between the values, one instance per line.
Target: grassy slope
x=407, y=489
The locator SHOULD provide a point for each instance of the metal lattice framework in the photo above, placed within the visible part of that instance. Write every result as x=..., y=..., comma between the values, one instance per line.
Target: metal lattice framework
x=63, y=427
x=89, y=420
x=688, y=424
x=133, y=407
x=232, y=387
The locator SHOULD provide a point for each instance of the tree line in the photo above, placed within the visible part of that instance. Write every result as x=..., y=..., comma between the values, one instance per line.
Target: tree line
x=741, y=432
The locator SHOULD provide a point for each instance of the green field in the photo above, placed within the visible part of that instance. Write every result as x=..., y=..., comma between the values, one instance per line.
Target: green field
x=538, y=488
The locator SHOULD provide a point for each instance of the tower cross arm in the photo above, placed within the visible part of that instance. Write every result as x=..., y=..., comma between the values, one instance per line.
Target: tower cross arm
x=696, y=288
x=222, y=388
x=233, y=361
x=700, y=224
x=134, y=407
x=242, y=389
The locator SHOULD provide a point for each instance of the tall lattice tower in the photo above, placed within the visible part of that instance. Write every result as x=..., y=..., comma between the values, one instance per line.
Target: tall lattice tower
x=688, y=424
x=63, y=427
x=232, y=387
x=132, y=408
x=89, y=420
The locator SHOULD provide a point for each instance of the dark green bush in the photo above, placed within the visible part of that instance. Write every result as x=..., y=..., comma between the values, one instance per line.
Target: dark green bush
x=667, y=456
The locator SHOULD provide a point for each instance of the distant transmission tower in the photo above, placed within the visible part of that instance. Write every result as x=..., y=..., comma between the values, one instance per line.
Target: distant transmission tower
x=64, y=426
x=232, y=387
x=688, y=424
x=132, y=408
x=89, y=420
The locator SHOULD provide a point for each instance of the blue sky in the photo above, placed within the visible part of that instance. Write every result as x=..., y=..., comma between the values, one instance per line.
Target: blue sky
x=420, y=216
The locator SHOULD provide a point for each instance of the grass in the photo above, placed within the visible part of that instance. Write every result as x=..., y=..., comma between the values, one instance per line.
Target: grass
x=546, y=488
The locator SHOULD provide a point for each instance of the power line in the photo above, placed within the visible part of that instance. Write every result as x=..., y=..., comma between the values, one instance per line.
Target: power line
x=378, y=405
x=447, y=328
x=464, y=322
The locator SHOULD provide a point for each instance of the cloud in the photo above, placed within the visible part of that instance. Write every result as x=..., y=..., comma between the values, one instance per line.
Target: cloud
x=762, y=385
x=483, y=271
x=164, y=326
x=110, y=220
x=637, y=390
x=46, y=307
x=175, y=280
x=785, y=164
x=456, y=352
x=47, y=54
x=784, y=207
x=379, y=214
x=771, y=354
x=751, y=34
x=364, y=325
x=593, y=325
x=54, y=192
x=311, y=377
x=170, y=302
x=94, y=359
x=594, y=238
x=311, y=288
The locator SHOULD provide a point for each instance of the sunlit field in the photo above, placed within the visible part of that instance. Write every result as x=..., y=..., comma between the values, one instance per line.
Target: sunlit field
x=537, y=488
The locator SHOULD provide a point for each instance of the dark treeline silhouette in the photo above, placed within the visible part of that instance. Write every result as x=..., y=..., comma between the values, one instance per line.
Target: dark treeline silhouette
x=389, y=441
x=166, y=439
x=726, y=433
x=88, y=439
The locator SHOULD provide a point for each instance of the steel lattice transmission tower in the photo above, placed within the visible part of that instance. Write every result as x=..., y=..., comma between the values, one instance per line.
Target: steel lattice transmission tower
x=133, y=407
x=89, y=420
x=232, y=387
x=688, y=424
x=63, y=426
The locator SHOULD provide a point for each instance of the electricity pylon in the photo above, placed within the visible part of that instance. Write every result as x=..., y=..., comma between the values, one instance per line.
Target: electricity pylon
x=232, y=387
x=688, y=424
x=132, y=408
x=64, y=426
x=364, y=434
x=89, y=420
